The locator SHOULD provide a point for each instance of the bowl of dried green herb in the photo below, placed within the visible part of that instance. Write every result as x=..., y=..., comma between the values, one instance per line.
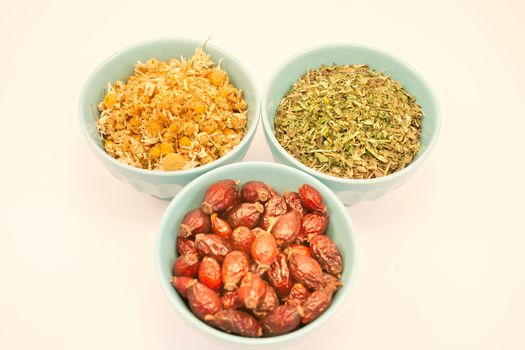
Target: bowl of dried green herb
x=359, y=119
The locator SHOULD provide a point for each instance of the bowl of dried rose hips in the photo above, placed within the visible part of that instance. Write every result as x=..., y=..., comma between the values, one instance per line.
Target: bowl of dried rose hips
x=162, y=112
x=256, y=253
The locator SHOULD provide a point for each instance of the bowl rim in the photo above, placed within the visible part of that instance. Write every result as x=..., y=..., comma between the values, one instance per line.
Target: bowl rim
x=186, y=314
x=268, y=131
x=250, y=132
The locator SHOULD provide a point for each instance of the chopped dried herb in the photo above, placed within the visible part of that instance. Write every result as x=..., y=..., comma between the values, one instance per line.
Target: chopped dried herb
x=172, y=115
x=349, y=121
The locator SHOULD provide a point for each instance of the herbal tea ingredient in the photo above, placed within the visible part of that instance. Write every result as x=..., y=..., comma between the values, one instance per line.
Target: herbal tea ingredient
x=172, y=115
x=349, y=121
x=255, y=274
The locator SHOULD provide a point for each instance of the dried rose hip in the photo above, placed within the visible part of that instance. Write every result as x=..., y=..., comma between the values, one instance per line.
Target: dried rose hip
x=236, y=322
x=203, y=300
x=245, y=214
x=264, y=250
x=210, y=273
x=212, y=245
x=254, y=191
x=311, y=199
x=186, y=265
x=298, y=295
x=242, y=238
x=287, y=228
x=297, y=249
x=331, y=281
x=220, y=227
x=327, y=253
x=306, y=270
x=234, y=268
x=313, y=224
x=279, y=275
x=293, y=202
x=186, y=246
x=267, y=302
x=182, y=284
x=219, y=196
x=273, y=208
x=251, y=290
x=317, y=303
x=231, y=300
x=194, y=222
x=254, y=268
x=282, y=319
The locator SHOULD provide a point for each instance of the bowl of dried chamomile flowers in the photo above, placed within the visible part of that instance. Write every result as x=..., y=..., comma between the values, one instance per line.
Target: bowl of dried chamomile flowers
x=160, y=113
x=356, y=118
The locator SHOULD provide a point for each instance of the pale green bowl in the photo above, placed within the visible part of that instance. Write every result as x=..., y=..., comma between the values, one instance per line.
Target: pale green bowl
x=282, y=178
x=352, y=191
x=162, y=184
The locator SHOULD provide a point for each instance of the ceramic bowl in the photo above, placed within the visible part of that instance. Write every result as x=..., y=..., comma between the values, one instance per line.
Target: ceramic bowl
x=162, y=184
x=282, y=178
x=352, y=191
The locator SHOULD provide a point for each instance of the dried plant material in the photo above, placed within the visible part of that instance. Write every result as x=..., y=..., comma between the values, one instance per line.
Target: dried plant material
x=349, y=121
x=172, y=115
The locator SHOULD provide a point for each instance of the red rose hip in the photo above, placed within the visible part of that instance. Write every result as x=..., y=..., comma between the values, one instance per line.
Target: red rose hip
x=186, y=265
x=210, y=273
x=203, y=300
x=254, y=191
x=236, y=322
x=311, y=199
x=195, y=221
x=220, y=196
x=234, y=267
x=251, y=290
x=327, y=253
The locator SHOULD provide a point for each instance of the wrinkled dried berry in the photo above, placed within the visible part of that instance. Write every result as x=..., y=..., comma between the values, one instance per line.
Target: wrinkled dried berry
x=331, y=281
x=327, y=253
x=203, y=300
x=298, y=295
x=242, y=238
x=282, y=319
x=254, y=191
x=236, y=322
x=317, y=303
x=264, y=250
x=186, y=265
x=182, y=284
x=210, y=273
x=313, y=224
x=297, y=249
x=245, y=214
x=279, y=275
x=293, y=202
x=234, y=267
x=186, y=246
x=195, y=221
x=267, y=302
x=273, y=209
x=231, y=300
x=212, y=245
x=287, y=228
x=306, y=270
x=311, y=199
x=220, y=196
x=220, y=227
x=251, y=290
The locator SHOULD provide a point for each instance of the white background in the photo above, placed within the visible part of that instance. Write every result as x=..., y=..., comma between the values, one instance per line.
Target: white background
x=441, y=259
